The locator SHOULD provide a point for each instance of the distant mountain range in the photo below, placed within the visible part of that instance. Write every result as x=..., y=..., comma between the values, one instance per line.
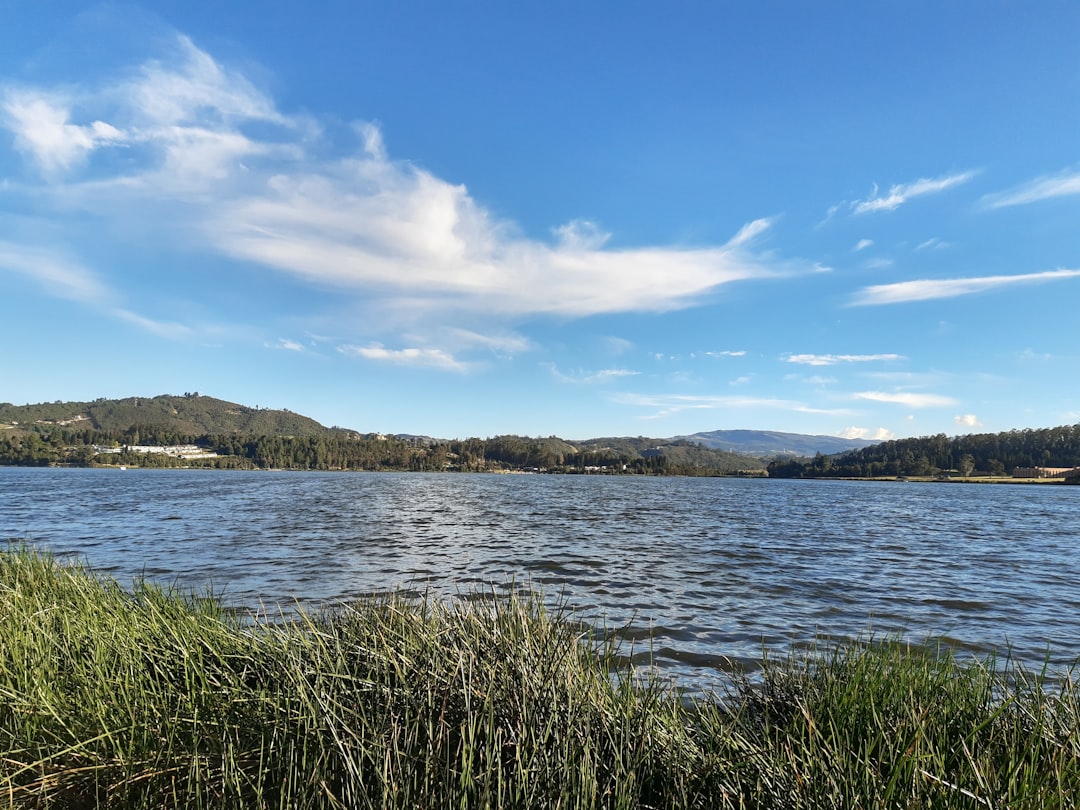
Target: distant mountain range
x=196, y=414
x=771, y=443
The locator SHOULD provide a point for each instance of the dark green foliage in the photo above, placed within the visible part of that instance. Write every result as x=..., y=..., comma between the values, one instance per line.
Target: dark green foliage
x=988, y=454
x=163, y=419
x=248, y=438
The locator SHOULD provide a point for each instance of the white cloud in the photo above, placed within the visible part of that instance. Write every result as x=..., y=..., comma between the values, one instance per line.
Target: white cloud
x=933, y=243
x=64, y=278
x=591, y=377
x=286, y=345
x=581, y=235
x=413, y=356
x=165, y=329
x=928, y=289
x=739, y=353
x=395, y=230
x=911, y=400
x=218, y=165
x=901, y=193
x=815, y=379
x=501, y=345
x=617, y=345
x=863, y=244
x=57, y=275
x=967, y=420
x=836, y=359
x=40, y=125
x=1041, y=188
x=193, y=88
x=879, y=435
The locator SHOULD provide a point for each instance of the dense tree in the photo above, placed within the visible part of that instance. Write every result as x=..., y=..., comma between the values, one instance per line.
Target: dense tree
x=991, y=453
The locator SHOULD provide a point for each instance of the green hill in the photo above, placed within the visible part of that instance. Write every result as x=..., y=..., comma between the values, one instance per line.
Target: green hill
x=190, y=414
x=681, y=453
x=87, y=433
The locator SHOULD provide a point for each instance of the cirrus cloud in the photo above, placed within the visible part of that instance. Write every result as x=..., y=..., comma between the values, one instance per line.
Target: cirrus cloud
x=209, y=160
x=901, y=193
x=929, y=289
x=879, y=435
x=412, y=356
x=908, y=398
x=1041, y=188
x=836, y=359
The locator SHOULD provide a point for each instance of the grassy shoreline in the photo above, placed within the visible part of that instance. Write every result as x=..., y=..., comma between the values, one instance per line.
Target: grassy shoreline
x=114, y=697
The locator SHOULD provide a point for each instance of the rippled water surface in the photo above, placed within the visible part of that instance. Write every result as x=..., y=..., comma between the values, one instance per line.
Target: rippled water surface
x=714, y=568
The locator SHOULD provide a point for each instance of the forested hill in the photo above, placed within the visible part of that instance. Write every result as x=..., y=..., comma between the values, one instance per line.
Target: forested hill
x=986, y=453
x=187, y=415
x=194, y=430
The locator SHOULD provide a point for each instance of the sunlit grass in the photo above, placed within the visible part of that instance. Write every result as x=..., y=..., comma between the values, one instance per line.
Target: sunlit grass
x=138, y=697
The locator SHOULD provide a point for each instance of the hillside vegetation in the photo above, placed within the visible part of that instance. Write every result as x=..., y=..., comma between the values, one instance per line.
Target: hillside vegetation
x=190, y=414
x=985, y=453
x=228, y=435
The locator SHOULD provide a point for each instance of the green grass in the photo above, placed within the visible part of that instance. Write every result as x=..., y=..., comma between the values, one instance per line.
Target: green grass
x=113, y=697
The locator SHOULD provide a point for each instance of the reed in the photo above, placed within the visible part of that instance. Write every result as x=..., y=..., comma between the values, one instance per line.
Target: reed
x=143, y=697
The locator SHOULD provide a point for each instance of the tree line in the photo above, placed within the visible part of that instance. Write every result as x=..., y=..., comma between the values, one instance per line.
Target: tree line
x=987, y=454
x=49, y=445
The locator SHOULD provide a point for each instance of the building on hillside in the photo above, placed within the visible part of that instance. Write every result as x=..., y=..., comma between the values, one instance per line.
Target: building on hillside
x=184, y=451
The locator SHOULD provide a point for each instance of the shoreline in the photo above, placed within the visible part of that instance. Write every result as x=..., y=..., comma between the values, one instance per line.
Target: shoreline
x=148, y=697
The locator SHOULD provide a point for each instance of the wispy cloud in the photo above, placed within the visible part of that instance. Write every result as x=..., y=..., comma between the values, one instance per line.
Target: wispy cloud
x=61, y=277
x=591, y=377
x=863, y=244
x=1041, y=188
x=929, y=289
x=903, y=192
x=285, y=344
x=878, y=435
x=209, y=159
x=166, y=329
x=837, y=359
x=41, y=128
x=814, y=379
x=413, y=356
x=737, y=353
x=57, y=275
x=501, y=344
x=1029, y=355
x=910, y=399
x=967, y=420
x=933, y=243
x=668, y=404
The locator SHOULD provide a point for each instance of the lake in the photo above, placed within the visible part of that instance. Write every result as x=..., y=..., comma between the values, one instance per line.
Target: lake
x=715, y=570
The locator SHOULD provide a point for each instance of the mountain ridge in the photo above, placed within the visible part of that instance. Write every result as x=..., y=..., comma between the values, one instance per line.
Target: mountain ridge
x=197, y=414
x=775, y=443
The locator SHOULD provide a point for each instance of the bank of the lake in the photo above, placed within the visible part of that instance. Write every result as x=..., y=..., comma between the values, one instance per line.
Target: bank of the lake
x=701, y=575
x=114, y=697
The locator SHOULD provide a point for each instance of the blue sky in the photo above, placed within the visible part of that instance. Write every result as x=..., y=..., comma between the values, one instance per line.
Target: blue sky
x=581, y=219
